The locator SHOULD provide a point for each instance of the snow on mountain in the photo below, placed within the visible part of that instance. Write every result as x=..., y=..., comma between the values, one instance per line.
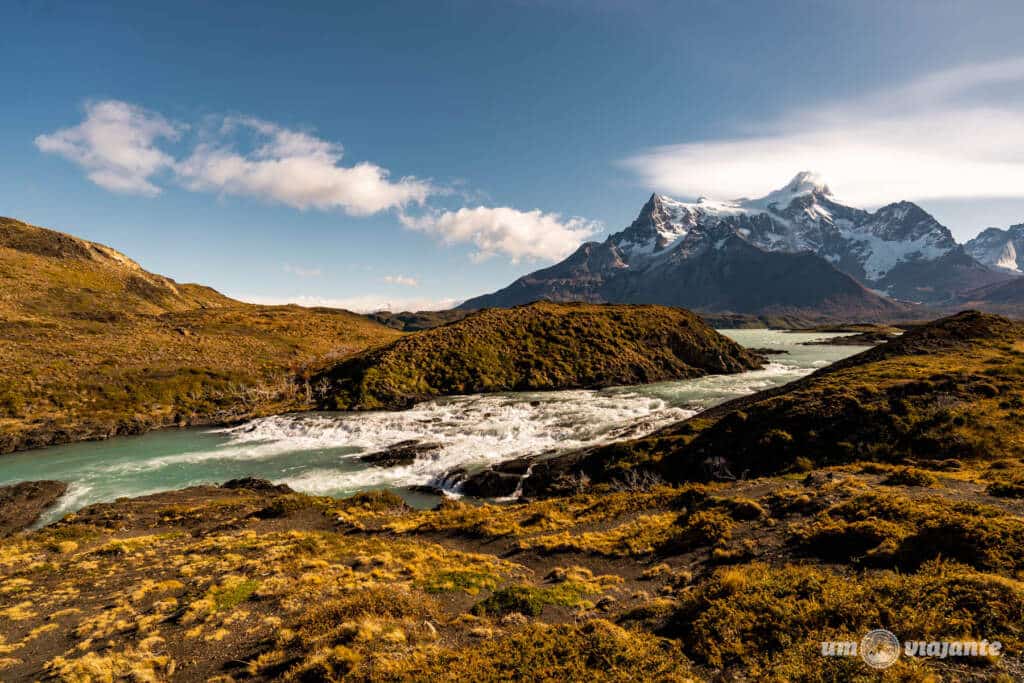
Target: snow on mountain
x=888, y=250
x=803, y=184
x=1000, y=248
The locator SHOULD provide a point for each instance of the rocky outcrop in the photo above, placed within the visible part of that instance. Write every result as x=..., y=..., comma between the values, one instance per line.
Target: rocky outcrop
x=23, y=503
x=400, y=454
x=256, y=484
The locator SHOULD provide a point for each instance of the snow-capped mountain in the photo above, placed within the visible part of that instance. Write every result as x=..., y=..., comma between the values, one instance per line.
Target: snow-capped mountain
x=796, y=248
x=893, y=250
x=1002, y=249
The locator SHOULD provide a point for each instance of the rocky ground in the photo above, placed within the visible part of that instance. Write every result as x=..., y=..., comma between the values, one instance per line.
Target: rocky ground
x=22, y=504
x=862, y=335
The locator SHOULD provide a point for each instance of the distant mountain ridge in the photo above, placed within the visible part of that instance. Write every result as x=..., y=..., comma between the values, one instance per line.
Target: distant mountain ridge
x=999, y=248
x=796, y=249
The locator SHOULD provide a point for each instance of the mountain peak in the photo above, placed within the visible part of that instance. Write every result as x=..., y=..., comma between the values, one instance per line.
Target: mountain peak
x=802, y=184
x=806, y=181
x=659, y=224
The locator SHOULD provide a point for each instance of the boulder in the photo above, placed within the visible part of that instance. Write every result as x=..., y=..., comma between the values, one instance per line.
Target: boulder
x=21, y=504
x=400, y=454
x=256, y=484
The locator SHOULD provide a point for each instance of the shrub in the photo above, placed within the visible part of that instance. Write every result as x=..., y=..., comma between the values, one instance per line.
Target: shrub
x=530, y=600
x=769, y=621
x=233, y=593
x=699, y=529
x=1007, y=489
x=910, y=476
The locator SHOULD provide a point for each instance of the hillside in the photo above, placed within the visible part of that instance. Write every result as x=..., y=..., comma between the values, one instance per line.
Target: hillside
x=944, y=391
x=410, y=321
x=1005, y=298
x=92, y=345
x=49, y=273
x=948, y=390
x=539, y=346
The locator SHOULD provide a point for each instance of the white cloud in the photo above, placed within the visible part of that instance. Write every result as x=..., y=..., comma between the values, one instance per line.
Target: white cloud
x=401, y=280
x=366, y=303
x=296, y=169
x=301, y=271
x=116, y=145
x=957, y=133
x=517, y=234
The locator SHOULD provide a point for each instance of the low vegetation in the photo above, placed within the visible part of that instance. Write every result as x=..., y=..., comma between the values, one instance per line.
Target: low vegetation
x=945, y=392
x=727, y=581
x=538, y=346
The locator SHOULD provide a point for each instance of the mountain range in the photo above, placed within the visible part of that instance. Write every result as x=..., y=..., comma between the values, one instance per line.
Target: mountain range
x=797, y=249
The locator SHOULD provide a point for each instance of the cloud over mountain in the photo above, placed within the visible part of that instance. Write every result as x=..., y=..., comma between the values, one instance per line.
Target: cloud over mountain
x=403, y=280
x=941, y=136
x=518, y=234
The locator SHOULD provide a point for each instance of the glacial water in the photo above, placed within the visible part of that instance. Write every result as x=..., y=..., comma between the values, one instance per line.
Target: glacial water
x=317, y=452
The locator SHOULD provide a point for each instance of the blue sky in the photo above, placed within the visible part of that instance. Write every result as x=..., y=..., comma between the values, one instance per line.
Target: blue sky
x=416, y=153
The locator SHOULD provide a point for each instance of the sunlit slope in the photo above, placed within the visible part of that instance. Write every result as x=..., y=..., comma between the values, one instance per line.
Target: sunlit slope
x=93, y=345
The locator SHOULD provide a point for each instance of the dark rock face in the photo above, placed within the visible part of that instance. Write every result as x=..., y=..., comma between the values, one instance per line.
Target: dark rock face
x=942, y=280
x=256, y=484
x=491, y=484
x=21, y=504
x=861, y=339
x=400, y=454
x=499, y=481
x=740, y=277
x=426, y=489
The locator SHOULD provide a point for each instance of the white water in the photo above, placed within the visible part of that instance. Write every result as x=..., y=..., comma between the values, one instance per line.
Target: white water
x=318, y=452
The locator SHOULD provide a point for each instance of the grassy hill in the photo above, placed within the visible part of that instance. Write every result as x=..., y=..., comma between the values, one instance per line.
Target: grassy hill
x=49, y=273
x=92, y=345
x=950, y=390
x=538, y=346
x=409, y=321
